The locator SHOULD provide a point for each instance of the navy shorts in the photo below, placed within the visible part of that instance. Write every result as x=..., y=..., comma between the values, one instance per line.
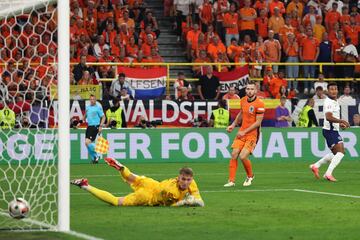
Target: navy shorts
x=91, y=132
x=332, y=137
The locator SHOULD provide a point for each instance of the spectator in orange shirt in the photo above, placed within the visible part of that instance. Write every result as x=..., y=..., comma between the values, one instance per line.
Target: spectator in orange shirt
x=295, y=5
x=337, y=45
x=276, y=4
x=203, y=58
x=310, y=18
x=318, y=28
x=150, y=20
x=231, y=94
x=201, y=45
x=352, y=31
x=275, y=83
x=262, y=23
x=272, y=50
x=126, y=19
x=276, y=22
x=230, y=24
x=309, y=52
x=345, y=17
x=291, y=50
x=210, y=34
x=215, y=47
x=192, y=39
x=286, y=29
x=257, y=56
x=220, y=7
x=332, y=17
x=248, y=16
x=145, y=32
x=234, y=49
x=132, y=49
x=260, y=5
x=206, y=15
x=295, y=20
x=109, y=34
x=146, y=47
x=222, y=58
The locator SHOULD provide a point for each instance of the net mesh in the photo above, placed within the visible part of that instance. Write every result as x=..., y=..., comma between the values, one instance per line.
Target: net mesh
x=28, y=145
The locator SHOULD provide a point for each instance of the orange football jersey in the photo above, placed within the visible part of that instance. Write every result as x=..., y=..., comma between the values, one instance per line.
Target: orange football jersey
x=250, y=110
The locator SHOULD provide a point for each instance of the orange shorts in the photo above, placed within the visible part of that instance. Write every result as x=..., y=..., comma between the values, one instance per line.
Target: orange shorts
x=248, y=142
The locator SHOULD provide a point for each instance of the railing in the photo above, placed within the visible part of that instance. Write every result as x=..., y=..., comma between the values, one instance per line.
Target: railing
x=219, y=66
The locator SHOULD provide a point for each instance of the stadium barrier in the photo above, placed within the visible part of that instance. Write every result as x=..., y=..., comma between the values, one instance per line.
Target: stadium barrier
x=180, y=145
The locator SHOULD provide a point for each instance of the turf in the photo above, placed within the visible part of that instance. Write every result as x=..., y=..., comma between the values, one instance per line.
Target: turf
x=269, y=209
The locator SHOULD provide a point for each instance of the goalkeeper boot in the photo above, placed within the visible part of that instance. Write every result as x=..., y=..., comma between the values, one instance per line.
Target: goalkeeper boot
x=330, y=178
x=82, y=182
x=248, y=181
x=229, y=184
x=113, y=163
x=315, y=170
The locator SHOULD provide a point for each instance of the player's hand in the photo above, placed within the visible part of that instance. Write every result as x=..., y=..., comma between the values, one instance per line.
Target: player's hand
x=230, y=128
x=100, y=130
x=240, y=134
x=344, y=124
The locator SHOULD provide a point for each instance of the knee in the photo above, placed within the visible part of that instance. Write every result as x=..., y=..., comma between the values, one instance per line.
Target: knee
x=234, y=155
x=87, y=141
x=242, y=157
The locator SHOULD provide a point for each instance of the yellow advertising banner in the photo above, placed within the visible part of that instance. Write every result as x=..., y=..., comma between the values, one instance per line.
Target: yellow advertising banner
x=79, y=92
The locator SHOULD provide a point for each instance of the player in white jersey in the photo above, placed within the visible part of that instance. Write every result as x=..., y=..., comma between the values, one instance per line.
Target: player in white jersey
x=332, y=123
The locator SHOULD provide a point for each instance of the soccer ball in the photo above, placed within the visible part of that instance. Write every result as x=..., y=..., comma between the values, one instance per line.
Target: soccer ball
x=19, y=208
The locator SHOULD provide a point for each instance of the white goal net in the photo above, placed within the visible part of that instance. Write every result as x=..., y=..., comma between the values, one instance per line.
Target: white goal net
x=28, y=139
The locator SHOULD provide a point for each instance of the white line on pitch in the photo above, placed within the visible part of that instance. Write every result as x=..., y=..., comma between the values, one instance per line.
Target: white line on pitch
x=52, y=228
x=326, y=193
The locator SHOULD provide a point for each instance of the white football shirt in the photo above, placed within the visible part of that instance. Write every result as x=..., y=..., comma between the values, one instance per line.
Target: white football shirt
x=332, y=106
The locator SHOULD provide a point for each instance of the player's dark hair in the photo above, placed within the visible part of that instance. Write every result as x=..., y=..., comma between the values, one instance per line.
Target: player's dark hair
x=186, y=171
x=331, y=84
x=92, y=95
x=251, y=83
x=121, y=75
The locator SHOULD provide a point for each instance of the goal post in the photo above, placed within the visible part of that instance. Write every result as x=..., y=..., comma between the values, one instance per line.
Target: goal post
x=29, y=167
x=64, y=115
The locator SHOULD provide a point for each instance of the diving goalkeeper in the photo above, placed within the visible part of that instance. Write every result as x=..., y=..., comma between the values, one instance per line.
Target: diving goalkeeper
x=179, y=191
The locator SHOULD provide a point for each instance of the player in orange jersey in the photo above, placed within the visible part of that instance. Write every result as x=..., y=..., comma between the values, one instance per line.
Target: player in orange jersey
x=250, y=116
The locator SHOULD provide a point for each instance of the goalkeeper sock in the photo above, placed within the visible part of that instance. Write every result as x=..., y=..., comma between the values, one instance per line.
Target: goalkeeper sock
x=327, y=158
x=248, y=168
x=103, y=195
x=232, y=169
x=334, y=162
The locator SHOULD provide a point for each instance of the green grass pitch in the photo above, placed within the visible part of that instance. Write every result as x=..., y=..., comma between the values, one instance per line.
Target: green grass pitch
x=284, y=202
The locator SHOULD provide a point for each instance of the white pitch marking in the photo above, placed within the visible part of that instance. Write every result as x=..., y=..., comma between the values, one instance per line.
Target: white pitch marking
x=326, y=193
x=52, y=228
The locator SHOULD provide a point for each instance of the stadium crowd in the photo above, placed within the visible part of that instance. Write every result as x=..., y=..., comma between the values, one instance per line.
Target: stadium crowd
x=264, y=31
x=219, y=31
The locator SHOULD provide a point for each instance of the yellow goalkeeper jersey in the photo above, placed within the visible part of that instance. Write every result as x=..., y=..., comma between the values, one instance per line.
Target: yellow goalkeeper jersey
x=169, y=193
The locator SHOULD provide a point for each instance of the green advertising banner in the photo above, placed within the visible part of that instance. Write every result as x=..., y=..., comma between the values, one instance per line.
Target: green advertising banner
x=176, y=145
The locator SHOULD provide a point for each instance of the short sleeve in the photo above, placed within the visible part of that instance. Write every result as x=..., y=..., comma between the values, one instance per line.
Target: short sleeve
x=328, y=107
x=260, y=109
x=100, y=111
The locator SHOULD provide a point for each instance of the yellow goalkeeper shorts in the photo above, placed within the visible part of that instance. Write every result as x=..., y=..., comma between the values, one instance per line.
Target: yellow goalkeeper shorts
x=143, y=195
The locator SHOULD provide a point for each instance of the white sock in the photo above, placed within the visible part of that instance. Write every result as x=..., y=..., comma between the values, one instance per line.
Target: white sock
x=327, y=158
x=334, y=162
